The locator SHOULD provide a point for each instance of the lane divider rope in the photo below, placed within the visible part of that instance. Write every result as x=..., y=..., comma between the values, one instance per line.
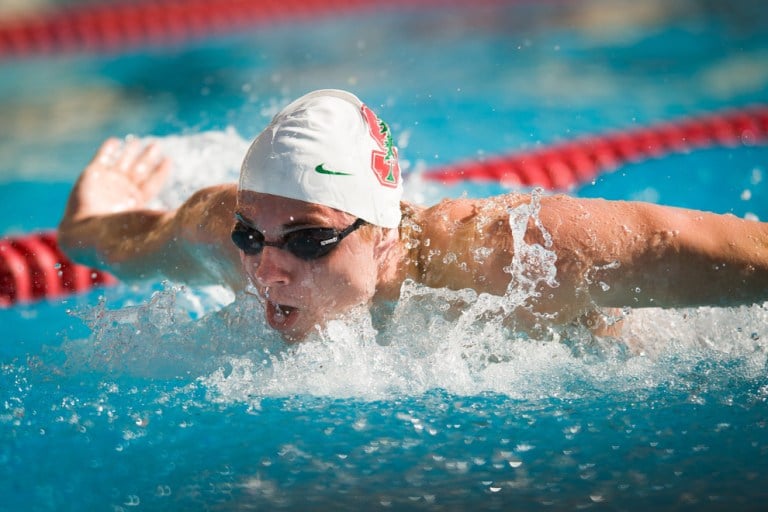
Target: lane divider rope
x=565, y=165
x=32, y=267
x=116, y=26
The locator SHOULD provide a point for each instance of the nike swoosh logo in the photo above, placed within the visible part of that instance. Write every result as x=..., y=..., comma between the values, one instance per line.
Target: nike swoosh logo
x=322, y=170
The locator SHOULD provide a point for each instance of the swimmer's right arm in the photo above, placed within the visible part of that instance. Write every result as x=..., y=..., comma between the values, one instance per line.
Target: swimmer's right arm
x=107, y=224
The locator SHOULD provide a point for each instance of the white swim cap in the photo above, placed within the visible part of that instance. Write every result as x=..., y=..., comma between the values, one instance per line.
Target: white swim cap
x=328, y=148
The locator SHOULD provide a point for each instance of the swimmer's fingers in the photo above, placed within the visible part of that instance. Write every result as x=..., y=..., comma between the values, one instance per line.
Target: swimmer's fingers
x=107, y=154
x=145, y=163
x=155, y=175
x=115, y=155
x=126, y=160
x=122, y=176
x=103, y=161
x=146, y=168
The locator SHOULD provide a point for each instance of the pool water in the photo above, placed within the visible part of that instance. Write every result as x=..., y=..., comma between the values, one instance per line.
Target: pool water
x=161, y=397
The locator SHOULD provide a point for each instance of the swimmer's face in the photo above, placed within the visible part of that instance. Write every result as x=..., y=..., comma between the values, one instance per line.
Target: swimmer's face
x=301, y=295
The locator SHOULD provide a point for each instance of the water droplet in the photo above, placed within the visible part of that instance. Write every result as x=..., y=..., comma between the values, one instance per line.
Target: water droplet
x=163, y=490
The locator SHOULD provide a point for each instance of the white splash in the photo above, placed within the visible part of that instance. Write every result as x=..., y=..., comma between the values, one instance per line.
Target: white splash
x=199, y=160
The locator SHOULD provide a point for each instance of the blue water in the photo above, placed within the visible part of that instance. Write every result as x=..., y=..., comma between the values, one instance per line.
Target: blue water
x=155, y=397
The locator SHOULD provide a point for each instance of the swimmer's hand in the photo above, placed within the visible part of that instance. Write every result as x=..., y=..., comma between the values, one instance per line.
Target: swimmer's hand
x=121, y=177
x=107, y=223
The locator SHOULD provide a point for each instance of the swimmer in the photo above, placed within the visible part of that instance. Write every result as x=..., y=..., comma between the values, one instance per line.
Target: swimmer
x=316, y=226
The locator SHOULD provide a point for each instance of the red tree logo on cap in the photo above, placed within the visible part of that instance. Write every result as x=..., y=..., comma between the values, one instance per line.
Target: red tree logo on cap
x=384, y=162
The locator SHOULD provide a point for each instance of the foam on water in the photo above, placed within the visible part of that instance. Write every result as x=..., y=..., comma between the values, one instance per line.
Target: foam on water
x=200, y=160
x=234, y=357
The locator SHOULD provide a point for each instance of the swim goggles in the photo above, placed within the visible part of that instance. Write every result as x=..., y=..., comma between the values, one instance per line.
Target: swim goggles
x=306, y=244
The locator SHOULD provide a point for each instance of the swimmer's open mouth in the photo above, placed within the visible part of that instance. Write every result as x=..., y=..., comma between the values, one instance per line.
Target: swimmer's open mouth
x=280, y=316
x=283, y=310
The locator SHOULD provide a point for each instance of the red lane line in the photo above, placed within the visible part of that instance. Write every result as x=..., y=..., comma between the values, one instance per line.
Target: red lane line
x=15, y=278
x=565, y=165
x=99, y=27
x=33, y=267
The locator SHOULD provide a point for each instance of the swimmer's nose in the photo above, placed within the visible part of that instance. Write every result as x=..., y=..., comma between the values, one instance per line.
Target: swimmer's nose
x=269, y=268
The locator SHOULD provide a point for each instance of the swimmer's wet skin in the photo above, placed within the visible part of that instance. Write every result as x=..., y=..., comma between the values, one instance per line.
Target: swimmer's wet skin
x=319, y=228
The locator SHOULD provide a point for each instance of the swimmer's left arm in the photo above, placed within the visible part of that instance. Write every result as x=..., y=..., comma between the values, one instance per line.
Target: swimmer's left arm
x=608, y=253
x=647, y=255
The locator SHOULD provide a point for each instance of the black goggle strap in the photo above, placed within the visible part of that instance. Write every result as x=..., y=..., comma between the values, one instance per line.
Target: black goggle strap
x=344, y=232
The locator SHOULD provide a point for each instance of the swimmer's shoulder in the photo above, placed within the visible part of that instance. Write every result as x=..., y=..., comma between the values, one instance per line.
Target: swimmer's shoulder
x=451, y=214
x=207, y=216
x=465, y=243
x=221, y=198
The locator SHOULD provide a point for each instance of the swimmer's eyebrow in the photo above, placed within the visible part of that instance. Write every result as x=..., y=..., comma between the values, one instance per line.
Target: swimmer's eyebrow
x=293, y=225
x=308, y=221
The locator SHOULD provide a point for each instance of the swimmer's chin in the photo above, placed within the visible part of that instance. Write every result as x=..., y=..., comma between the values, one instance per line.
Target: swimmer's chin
x=287, y=321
